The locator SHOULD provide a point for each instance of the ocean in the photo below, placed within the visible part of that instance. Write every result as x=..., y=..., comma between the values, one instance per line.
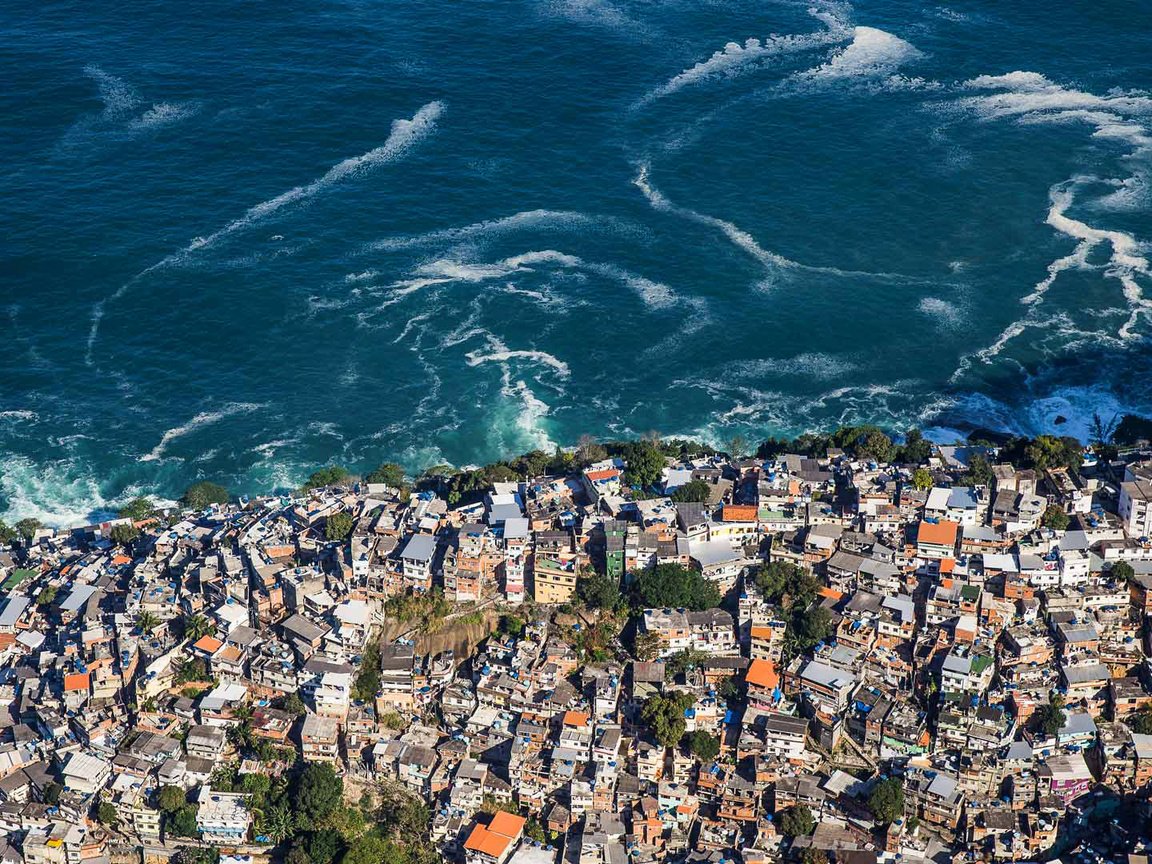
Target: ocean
x=244, y=240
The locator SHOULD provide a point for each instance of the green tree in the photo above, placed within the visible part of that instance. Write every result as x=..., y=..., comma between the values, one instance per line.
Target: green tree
x=204, y=494
x=796, y=821
x=278, y=823
x=297, y=853
x=7, y=533
x=47, y=595
x=876, y=446
x=645, y=463
x=915, y=450
x=52, y=793
x=146, y=622
x=124, y=534
x=196, y=855
x=922, y=478
x=512, y=625
x=332, y=475
x=27, y=528
x=107, y=814
x=324, y=845
x=703, y=746
x=1122, y=572
x=293, y=704
x=886, y=800
x=812, y=855
x=979, y=471
x=171, y=798
x=1141, y=722
x=196, y=627
x=400, y=813
x=693, y=490
x=664, y=717
x=319, y=791
x=673, y=585
x=598, y=591
x=784, y=583
x=390, y=474
x=647, y=646
x=182, y=823
x=1048, y=451
x=1050, y=718
x=338, y=526
x=367, y=683
x=810, y=626
x=137, y=509
x=1055, y=517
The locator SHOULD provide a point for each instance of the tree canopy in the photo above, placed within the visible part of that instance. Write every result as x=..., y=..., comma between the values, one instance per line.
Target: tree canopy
x=645, y=463
x=703, y=746
x=664, y=717
x=203, y=494
x=124, y=534
x=886, y=801
x=390, y=474
x=796, y=821
x=332, y=475
x=137, y=509
x=319, y=791
x=784, y=583
x=338, y=526
x=1050, y=718
x=694, y=491
x=1055, y=517
x=598, y=591
x=673, y=585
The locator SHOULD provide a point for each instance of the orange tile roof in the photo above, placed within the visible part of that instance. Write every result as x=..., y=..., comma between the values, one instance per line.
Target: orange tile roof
x=209, y=644
x=7, y=640
x=121, y=559
x=947, y=565
x=738, y=513
x=831, y=593
x=575, y=718
x=602, y=474
x=507, y=824
x=78, y=681
x=762, y=673
x=483, y=840
x=761, y=632
x=494, y=839
x=942, y=532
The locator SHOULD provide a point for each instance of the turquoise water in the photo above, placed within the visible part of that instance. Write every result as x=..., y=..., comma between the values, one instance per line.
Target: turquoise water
x=242, y=240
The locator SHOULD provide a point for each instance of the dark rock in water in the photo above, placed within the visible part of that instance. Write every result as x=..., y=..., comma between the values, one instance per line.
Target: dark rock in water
x=1060, y=418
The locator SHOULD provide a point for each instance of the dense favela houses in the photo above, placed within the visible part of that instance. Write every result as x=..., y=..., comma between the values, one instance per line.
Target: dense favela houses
x=842, y=649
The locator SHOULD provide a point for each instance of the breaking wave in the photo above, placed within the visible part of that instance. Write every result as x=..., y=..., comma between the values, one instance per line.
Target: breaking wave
x=205, y=418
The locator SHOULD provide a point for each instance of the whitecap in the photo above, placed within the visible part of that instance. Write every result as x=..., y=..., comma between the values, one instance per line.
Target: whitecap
x=204, y=418
x=736, y=58
x=404, y=136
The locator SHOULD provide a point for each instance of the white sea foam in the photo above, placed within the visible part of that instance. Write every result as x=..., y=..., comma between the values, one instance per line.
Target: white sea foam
x=737, y=235
x=872, y=54
x=163, y=114
x=553, y=220
x=945, y=312
x=59, y=494
x=736, y=58
x=475, y=358
x=204, y=418
x=404, y=135
x=19, y=414
x=119, y=97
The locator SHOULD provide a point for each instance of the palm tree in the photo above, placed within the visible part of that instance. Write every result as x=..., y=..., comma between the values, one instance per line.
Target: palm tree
x=196, y=626
x=278, y=823
x=146, y=622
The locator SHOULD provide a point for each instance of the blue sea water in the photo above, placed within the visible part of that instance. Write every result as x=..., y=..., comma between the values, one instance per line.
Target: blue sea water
x=241, y=240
